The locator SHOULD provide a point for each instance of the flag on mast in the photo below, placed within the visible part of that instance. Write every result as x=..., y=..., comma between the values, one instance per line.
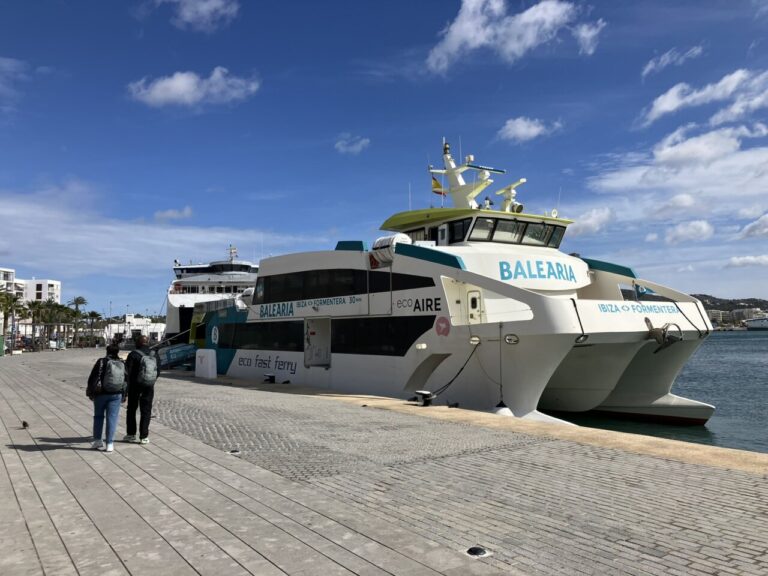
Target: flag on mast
x=437, y=188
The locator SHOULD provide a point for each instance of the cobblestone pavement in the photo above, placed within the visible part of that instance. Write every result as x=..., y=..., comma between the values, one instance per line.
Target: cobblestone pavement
x=540, y=505
x=543, y=506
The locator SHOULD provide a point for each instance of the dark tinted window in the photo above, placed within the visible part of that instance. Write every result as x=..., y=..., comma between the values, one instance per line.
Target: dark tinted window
x=313, y=284
x=457, y=230
x=390, y=336
x=263, y=336
x=557, y=237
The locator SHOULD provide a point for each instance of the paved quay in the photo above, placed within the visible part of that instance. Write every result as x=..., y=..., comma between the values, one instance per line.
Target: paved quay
x=330, y=484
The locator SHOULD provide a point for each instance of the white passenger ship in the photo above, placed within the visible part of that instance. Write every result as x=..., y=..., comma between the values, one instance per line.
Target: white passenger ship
x=196, y=283
x=760, y=323
x=476, y=307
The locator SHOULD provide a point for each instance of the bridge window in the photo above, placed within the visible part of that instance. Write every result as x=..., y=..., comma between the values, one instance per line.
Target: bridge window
x=457, y=230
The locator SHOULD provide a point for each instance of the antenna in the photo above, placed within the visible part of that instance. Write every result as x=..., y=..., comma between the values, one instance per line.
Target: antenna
x=559, y=191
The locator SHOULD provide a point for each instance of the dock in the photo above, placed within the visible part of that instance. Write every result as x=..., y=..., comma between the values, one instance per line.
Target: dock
x=267, y=479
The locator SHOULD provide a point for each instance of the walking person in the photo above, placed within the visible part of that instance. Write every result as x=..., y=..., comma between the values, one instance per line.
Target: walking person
x=106, y=388
x=143, y=368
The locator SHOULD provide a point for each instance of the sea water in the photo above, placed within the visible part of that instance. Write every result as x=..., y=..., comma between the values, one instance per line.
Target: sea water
x=730, y=371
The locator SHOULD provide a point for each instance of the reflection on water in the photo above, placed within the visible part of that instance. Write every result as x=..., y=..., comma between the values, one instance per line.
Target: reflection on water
x=730, y=371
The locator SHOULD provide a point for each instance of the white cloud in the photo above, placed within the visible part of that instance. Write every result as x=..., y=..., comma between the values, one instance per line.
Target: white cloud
x=757, y=228
x=671, y=58
x=189, y=89
x=349, y=144
x=683, y=96
x=58, y=245
x=202, y=15
x=651, y=237
x=523, y=129
x=485, y=24
x=677, y=149
x=695, y=231
x=590, y=222
x=711, y=167
x=173, y=214
x=741, y=261
x=12, y=72
x=751, y=96
x=586, y=35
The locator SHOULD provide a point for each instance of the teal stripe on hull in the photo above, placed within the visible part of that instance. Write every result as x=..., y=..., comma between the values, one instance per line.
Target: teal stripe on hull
x=430, y=255
x=224, y=356
x=609, y=267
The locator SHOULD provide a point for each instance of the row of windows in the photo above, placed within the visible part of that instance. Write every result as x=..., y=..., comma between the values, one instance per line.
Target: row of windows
x=313, y=284
x=385, y=336
x=515, y=232
x=207, y=289
x=497, y=230
x=287, y=336
x=389, y=336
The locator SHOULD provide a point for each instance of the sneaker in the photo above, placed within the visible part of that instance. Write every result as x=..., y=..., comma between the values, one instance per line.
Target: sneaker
x=129, y=438
x=109, y=448
x=144, y=441
x=96, y=444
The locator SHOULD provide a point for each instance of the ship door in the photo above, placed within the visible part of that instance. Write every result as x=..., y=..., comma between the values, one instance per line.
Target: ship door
x=474, y=307
x=317, y=342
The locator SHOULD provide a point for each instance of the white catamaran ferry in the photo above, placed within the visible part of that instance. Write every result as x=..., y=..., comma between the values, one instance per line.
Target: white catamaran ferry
x=469, y=306
x=195, y=283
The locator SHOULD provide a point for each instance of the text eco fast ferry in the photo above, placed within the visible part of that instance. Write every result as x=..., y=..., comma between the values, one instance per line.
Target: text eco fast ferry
x=474, y=306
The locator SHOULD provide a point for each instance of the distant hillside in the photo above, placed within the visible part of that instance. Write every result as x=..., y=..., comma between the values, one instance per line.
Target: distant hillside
x=713, y=303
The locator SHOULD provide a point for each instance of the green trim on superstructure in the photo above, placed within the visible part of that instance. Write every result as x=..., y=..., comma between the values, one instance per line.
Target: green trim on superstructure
x=351, y=245
x=411, y=219
x=430, y=255
x=609, y=267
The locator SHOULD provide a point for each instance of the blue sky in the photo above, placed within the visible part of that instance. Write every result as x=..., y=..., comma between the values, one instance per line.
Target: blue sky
x=133, y=133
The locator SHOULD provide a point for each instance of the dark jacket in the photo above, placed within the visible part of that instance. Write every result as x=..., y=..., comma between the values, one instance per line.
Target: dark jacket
x=97, y=374
x=133, y=364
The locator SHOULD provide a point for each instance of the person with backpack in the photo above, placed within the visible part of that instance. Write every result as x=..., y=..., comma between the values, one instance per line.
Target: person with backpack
x=143, y=368
x=106, y=388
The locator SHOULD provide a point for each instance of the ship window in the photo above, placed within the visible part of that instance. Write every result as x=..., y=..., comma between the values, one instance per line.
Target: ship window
x=263, y=336
x=536, y=234
x=388, y=336
x=457, y=230
x=482, y=229
x=557, y=237
x=417, y=235
x=509, y=231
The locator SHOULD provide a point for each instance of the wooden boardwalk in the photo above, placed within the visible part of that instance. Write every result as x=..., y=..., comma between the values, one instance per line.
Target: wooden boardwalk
x=181, y=506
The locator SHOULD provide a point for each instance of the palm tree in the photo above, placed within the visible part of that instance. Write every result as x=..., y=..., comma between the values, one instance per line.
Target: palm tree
x=11, y=306
x=93, y=316
x=36, y=310
x=77, y=301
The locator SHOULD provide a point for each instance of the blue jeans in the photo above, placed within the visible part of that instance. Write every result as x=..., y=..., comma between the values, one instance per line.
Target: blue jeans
x=109, y=404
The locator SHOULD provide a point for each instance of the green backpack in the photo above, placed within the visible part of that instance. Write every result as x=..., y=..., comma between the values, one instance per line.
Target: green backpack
x=147, y=370
x=113, y=380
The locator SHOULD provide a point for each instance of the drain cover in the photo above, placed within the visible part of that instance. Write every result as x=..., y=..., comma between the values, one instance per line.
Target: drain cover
x=478, y=552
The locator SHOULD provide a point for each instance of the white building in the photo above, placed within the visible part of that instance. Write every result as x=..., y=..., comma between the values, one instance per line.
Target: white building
x=27, y=290
x=132, y=327
x=9, y=283
x=42, y=290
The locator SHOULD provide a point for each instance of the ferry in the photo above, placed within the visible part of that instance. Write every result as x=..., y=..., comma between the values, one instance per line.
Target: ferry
x=196, y=283
x=466, y=306
x=760, y=323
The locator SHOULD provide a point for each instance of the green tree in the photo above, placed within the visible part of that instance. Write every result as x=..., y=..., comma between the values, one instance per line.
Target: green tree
x=77, y=301
x=93, y=317
x=36, y=310
x=11, y=306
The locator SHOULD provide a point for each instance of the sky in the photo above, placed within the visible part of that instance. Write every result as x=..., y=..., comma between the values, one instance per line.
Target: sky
x=137, y=132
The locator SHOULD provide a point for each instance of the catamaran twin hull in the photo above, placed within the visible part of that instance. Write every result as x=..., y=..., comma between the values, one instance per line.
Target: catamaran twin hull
x=451, y=322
